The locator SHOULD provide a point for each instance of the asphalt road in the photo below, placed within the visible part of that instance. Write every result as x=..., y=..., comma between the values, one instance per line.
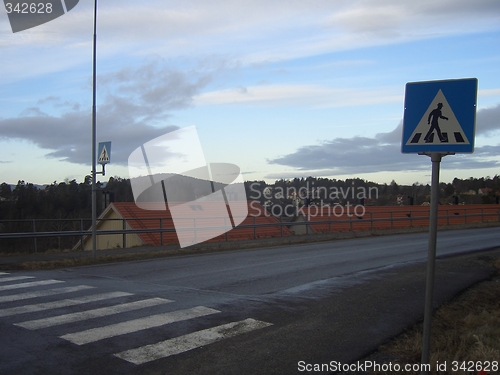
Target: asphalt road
x=258, y=311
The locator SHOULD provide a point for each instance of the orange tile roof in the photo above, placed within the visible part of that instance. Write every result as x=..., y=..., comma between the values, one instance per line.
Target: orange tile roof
x=138, y=218
x=379, y=217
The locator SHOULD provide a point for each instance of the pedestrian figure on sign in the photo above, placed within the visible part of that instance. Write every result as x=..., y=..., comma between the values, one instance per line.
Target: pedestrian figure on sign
x=435, y=115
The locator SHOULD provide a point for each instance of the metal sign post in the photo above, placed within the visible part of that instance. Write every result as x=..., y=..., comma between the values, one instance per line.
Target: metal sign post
x=431, y=262
x=439, y=120
x=94, y=156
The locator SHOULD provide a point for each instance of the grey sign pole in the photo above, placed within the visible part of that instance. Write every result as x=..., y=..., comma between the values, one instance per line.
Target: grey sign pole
x=431, y=262
x=423, y=104
x=94, y=151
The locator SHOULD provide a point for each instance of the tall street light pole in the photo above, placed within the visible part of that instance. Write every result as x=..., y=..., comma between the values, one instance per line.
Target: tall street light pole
x=94, y=151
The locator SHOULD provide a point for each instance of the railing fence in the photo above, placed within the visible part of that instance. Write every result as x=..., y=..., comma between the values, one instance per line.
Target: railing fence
x=35, y=236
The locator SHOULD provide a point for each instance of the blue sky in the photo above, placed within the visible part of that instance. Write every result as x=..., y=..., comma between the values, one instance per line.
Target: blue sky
x=282, y=89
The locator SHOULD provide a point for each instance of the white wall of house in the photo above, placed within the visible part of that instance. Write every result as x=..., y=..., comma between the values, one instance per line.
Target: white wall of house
x=112, y=241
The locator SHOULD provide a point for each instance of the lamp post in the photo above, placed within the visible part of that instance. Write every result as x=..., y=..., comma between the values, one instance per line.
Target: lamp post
x=94, y=156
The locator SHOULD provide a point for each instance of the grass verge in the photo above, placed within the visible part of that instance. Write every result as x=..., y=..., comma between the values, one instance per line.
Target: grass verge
x=100, y=259
x=465, y=334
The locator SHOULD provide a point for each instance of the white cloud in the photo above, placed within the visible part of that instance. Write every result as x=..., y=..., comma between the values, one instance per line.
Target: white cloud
x=383, y=153
x=382, y=20
x=257, y=31
x=316, y=96
x=137, y=102
x=488, y=92
x=488, y=121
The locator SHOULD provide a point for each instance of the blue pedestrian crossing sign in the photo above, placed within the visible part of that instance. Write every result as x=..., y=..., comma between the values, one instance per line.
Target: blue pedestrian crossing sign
x=104, y=152
x=440, y=116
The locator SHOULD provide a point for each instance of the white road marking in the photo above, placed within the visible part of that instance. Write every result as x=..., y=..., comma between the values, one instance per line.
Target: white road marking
x=190, y=341
x=43, y=293
x=90, y=314
x=29, y=285
x=15, y=278
x=136, y=356
x=61, y=303
x=96, y=334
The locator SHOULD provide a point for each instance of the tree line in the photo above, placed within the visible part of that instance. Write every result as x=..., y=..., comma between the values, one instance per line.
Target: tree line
x=61, y=200
x=482, y=190
x=67, y=205
x=72, y=200
x=60, y=206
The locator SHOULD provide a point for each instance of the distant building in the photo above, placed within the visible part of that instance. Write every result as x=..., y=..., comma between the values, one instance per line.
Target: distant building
x=469, y=192
x=128, y=216
x=484, y=191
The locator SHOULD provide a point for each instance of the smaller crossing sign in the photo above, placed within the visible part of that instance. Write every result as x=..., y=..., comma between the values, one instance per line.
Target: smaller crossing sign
x=440, y=116
x=104, y=152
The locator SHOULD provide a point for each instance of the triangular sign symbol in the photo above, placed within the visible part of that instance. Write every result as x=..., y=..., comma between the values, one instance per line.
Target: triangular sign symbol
x=104, y=157
x=450, y=129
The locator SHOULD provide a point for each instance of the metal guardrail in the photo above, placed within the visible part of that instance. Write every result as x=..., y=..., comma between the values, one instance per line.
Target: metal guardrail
x=352, y=222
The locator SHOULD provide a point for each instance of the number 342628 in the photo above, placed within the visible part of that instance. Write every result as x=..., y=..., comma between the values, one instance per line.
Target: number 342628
x=25, y=8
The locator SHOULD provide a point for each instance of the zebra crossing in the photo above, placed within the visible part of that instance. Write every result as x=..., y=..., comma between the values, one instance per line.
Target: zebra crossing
x=25, y=294
x=458, y=138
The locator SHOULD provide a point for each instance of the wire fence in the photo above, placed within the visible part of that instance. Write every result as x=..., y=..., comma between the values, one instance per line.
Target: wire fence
x=41, y=235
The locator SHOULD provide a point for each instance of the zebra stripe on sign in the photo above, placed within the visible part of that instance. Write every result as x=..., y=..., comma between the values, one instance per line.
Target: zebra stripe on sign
x=458, y=138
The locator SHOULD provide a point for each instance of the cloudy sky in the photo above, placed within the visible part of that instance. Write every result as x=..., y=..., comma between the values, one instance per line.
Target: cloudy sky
x=281, y=88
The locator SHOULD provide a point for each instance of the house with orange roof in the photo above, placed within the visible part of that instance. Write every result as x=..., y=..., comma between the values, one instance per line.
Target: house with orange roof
x=484, y=191
x=156, y=226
